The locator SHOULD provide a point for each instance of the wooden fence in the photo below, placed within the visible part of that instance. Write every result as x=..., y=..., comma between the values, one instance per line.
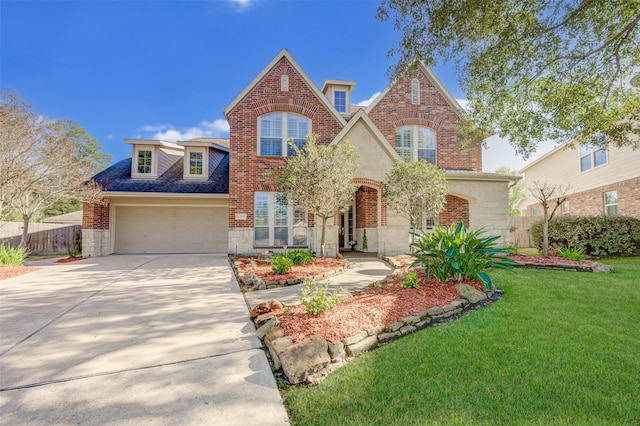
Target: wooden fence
x=43, y=237
x=521, y=230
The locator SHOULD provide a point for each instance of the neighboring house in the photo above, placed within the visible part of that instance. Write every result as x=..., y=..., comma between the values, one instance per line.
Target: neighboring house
x=600, y=181
x=73, y=218
x=201, y=196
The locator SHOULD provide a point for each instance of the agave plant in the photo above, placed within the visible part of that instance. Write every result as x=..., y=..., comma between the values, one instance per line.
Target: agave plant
x=455, y=254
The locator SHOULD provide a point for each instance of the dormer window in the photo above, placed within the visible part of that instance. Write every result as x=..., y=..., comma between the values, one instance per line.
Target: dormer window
x=195, y=163
x=144, y=161
x=340, y=100
x=415, y=91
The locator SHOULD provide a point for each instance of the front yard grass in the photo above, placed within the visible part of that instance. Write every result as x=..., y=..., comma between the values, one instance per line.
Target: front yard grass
x=558, y=348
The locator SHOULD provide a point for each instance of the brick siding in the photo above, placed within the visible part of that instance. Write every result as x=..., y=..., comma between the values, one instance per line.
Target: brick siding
x=456, y=211
x=366, y=207
x=95, y=215
x=591, y=202
x=396, y=110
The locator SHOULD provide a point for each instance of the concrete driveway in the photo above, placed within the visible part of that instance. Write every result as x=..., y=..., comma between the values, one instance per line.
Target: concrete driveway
x=131, y=340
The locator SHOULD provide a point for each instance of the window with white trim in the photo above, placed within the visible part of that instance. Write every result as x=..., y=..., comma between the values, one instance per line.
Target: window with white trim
x=415, y=143
x=592, y=156
x=415, y=91
x=276, y=224
x=340, y=100
x=144, y=161
x=277, y=128
x=196, y=164
x=611, y=203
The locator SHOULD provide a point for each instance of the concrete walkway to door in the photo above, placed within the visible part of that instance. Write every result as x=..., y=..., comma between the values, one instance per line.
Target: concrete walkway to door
x=133, y=340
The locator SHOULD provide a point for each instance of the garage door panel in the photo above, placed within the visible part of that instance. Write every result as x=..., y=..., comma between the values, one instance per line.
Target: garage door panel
x=170, y=229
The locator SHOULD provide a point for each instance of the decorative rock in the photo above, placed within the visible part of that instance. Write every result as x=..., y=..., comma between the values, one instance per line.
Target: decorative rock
x=265, y=256
x=259, y=309
x=354, y=339
x=395, y=326
x=253, y=282
x=362, y=346
x=262, y=331
x=414, y=319
x=305, y=358
x=261, y=319
x=273, y=334
x=276, y=347
x=600, y=268
x=407, y=329
x=387, y=337
x=423, y=324
x=275, y=305
x=336, y=351
x=450, y=307
x=470, y=293
x=435, y=311
x=375, y=331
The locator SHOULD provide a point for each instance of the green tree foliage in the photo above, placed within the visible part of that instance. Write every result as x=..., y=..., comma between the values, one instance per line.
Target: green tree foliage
x=533, y=70
x=416, y=190
x=516, y=190
x=319, y=179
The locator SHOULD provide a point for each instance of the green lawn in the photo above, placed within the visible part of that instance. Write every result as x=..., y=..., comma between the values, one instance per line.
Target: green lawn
x=559, y=348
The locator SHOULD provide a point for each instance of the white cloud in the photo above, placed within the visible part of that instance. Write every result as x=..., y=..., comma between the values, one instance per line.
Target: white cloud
x=218, y=128
x=242, y=5
x=367, y=102
x=109, y=136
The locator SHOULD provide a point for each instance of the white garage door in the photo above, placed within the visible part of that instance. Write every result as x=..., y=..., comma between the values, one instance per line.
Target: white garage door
x=171, y=229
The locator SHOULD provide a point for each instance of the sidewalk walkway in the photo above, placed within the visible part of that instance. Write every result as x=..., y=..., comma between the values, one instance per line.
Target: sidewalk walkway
x=365, y=270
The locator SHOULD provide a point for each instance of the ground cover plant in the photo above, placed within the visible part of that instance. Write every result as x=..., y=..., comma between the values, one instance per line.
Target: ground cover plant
x=558, y=348
x=12, y=255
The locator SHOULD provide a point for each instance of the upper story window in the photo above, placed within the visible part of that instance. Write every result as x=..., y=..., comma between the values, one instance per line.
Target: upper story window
x=277, y=128
x=592, y=156
x=340, y=100
x=196, y=163
x=415, y=91
x=284, y=83
x=144, y=161
x=415, y=143
x=611, y=203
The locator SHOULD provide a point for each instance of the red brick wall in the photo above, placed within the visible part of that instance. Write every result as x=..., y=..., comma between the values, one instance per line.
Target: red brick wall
x=366, y=207
x=246, y=169
x=95, y=215
x=396, y=110
x=456, y=211
x=591, y=202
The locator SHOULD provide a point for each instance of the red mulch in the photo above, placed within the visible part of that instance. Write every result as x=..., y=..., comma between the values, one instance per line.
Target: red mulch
x=549, y=260
x=373, y=307
x=9, y=271
x=69, y=259
x=321, y=265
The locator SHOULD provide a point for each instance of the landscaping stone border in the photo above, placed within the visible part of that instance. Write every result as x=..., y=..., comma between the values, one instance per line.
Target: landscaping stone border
x=252, y=282
x=572, y=267
x=313, y=358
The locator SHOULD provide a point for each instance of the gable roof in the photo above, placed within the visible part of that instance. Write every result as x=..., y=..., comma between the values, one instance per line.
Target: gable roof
x=284, y=53
x=360, y=115
x=117, y=178
x=433, y=78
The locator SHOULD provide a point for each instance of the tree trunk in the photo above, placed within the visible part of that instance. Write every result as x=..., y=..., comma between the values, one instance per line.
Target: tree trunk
x=25, y=231
x=545, y=235
x=324, y=224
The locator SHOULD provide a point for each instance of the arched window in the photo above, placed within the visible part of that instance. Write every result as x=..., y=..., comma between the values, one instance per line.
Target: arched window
x=415, y=143
x=277, y=128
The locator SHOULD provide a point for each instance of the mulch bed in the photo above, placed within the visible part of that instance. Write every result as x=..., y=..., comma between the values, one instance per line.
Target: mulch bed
x=9, y=271
x=69, y=259
x=321, y=265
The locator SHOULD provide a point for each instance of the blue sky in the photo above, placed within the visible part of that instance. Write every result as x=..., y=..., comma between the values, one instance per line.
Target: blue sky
x=166, y=69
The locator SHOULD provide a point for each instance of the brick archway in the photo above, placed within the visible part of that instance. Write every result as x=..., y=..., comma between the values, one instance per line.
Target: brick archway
x=381, y=217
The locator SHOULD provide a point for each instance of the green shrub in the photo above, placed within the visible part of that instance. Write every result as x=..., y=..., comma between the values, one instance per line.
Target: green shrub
x=596, y=235
x=12, y=255
x=455, y=254
x=280, y=264
x=571, y=253
x=300, y=257
x=411, y=281
x=317, y=299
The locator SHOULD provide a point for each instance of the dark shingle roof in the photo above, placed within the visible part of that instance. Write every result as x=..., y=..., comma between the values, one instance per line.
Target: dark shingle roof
x=118, y=178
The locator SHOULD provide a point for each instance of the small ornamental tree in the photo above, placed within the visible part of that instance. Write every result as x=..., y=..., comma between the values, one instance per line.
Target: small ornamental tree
x=548, y=195
x=416, y=190
x=319, y=179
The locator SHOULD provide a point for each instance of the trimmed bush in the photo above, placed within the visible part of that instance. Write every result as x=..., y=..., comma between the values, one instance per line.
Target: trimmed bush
x=280, y=264
x=300, y=257
x=596, y=235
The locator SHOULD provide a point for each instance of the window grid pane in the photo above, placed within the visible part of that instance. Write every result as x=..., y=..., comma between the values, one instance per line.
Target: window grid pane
x=600, y=157
x=195, y=163
x=144, y=161
x=271, y=125
x=340, y=101
x=585, y=163
x=271, y=147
